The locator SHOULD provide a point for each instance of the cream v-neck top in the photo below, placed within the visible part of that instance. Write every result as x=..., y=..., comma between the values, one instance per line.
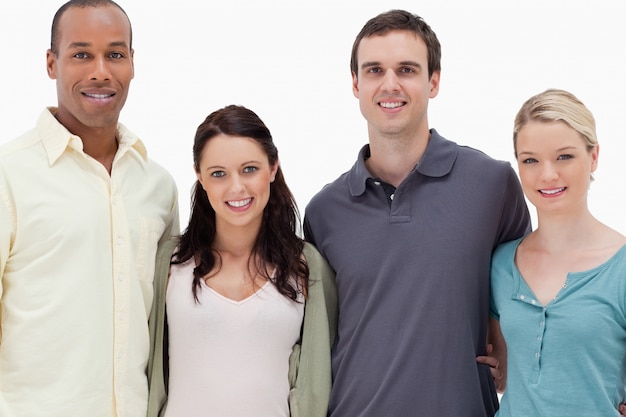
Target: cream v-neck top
x=228, y=358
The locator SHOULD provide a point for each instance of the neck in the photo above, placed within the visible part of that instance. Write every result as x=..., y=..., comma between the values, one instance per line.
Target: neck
x=235, y=240
x=393, y=158
x=562, y=232
x=98, y=142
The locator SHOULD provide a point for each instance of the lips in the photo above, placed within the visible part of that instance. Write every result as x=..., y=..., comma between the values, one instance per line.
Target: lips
x=239, y=203
x=552, y=191
x=98, y=96
x=391, y=104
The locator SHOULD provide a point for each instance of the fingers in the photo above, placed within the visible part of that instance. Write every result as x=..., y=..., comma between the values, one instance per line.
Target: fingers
x=489, y=360
x=494, y=366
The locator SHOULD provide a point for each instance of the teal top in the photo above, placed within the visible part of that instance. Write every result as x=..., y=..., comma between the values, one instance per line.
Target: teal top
x=567, y=358
x=309, y=365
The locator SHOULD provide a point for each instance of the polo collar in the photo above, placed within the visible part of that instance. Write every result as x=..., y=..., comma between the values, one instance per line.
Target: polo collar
x=437, y=161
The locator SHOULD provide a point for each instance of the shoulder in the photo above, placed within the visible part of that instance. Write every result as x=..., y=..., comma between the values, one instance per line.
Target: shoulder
x=462, y=159
x=158, y=170
x=506, y=250
x=14, y=146
x=339, y=185
x=313, y=257
x=319, y=269
x=477, y=156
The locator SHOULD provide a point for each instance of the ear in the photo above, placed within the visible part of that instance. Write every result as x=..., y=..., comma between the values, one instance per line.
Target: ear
x=434, y=84
x=355, y=85
x=132, y=63
x=199, y=177
x=595, y=153
x=274, y=170
x=51, y=64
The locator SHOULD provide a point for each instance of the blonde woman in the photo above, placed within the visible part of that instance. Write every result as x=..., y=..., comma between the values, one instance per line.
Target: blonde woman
x=559, y=293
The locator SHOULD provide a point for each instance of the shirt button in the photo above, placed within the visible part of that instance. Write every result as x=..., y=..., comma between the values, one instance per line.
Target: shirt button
x=522, y=297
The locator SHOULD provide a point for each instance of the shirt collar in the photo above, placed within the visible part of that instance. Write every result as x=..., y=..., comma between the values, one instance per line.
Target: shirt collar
x=437, y=161
x=56, y=139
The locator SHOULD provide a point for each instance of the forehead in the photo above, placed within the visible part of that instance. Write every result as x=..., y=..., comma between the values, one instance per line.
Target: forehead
x=93, y=24
x=549, y=133
x=399, y=44
x=226, y=149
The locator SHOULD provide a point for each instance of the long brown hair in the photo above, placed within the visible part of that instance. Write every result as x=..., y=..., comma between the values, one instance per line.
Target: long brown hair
x=277, y=243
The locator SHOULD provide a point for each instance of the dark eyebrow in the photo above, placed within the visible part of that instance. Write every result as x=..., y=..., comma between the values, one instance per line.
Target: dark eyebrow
x=401, y=63
x=79, y=45
x=251, y=162
x=369, y=64
x=87, y=44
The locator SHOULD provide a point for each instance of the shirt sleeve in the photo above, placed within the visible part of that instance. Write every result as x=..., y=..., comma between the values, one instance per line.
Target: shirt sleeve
x=515, y=221
x=7, y=228
x=172, y=228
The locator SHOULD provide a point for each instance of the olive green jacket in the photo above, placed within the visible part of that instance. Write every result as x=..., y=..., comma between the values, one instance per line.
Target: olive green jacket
x=309, y=365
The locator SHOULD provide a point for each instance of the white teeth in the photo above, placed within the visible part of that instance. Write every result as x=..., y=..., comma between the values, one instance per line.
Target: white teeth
x=391, y=105
x=551, y=192
x=98, y=95
x=239, y=203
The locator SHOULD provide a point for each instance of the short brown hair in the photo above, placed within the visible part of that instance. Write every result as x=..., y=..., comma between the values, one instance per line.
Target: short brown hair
x=400, y=20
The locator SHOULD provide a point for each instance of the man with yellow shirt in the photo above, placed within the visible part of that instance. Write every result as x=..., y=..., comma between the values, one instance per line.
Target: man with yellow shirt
x=82, y=213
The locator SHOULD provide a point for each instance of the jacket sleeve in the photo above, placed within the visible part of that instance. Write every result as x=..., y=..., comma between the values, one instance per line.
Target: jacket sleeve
x=157, y=361
x=310, y=366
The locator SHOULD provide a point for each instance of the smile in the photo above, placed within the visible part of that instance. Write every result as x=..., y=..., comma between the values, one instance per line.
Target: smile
x=553, y=191
x=98, y=96
x=239, y=203
x=391, y=105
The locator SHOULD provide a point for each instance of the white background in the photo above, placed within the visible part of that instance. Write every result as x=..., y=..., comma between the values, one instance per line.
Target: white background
x=288, y=61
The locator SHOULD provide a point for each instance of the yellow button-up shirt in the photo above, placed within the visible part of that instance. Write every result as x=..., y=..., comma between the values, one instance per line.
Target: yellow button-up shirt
x=77, y=256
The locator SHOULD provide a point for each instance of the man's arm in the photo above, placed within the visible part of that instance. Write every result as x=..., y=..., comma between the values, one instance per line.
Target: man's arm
x=7, y=231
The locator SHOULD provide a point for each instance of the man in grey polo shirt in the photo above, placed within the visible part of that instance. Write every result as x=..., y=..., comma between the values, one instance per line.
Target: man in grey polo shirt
x=410, y=230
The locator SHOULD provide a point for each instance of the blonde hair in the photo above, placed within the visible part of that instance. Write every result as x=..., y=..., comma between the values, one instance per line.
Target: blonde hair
x=555, y=105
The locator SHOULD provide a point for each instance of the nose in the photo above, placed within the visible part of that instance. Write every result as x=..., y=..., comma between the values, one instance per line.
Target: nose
x=549, y=173
x=100, y=69
x=390, y=81
x=237, y=184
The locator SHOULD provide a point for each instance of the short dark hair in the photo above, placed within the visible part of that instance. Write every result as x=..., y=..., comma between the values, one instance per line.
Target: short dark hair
x=400, y=20
x=54, y=37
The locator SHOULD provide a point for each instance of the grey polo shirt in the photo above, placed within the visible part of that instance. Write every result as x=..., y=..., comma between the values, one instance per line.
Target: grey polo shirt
x=413, y=281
